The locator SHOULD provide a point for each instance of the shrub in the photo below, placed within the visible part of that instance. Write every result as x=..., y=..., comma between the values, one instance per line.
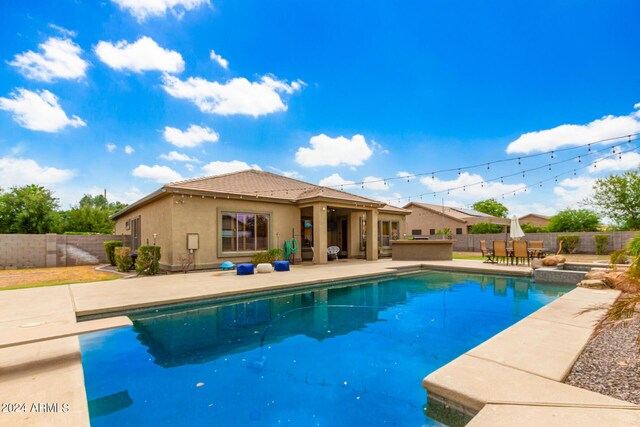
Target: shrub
x=123, y=258
x=633, y=245
x=618, y=257
x=602, y=243
x=148, y=261
x=569, y=242
x=527, y=227
x=485, y=228
x=267, y=256
x=109, y=248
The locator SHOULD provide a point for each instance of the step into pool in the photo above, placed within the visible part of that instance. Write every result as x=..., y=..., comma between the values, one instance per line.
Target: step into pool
x=342, y=355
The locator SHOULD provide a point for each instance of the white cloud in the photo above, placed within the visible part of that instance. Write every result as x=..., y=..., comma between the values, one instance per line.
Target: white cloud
x=189, y=167
x=59, y=59
x=406, y=175
x=129, y=149
x=174, y=156
x=627, y=161
x=219, y=168
x=288, y=174
x=375, y=183
x=17, y=171
x=155, y=173
x=379, y=148
x=110, y=147
x=327, y=151
x=219, y=59
x=336, y=181
x=127, y=196
x=63, y=31
x=473, y=190
x=565, y=135
x=38, y=111
x=192, y=137
x=143, y=9
x=571, y=191
x=237, y=96
x=142, y=55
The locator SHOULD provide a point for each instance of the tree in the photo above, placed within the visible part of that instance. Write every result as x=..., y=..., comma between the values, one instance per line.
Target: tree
x=485, y=228
x=491, y=207
x=527, y=228
x=91, y=215
x=574, y=220
x=30, y=209
x=618, y=197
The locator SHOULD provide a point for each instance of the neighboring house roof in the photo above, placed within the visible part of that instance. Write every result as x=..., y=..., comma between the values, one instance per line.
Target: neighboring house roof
x=467, y=216
x=394, y=209
x=536, y=215
x=255, y=184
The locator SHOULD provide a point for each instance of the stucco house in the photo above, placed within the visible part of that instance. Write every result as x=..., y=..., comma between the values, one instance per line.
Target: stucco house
x=231, y=217
x=535, y=220
x=427, y=219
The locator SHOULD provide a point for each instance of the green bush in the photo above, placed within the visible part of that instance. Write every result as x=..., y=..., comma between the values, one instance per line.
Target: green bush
x=527, y=228
x=569, y=242
x=267, y=256
x=124, y=262
x=618, y=257
x=485, y=228
x=633, y=245
x=109, y=248
x=148, y=261
x=602, y=243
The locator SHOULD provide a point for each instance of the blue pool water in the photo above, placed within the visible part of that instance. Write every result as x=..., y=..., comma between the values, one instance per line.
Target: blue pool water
x=345, y=355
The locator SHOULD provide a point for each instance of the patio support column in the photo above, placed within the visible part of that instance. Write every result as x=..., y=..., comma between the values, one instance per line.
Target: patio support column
x=372, y=235
x=319, y=233
x=354, y=234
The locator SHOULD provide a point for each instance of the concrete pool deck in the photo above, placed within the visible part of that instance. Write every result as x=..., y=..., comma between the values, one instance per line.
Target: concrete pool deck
x=51, y=372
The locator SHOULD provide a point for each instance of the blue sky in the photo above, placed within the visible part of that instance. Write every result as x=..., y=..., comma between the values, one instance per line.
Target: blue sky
x=126, y=95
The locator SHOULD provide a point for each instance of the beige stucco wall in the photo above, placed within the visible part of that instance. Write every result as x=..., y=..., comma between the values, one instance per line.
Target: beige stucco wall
x=172, y=222
x=534, y=220
x=155, y=217
x=425, y=220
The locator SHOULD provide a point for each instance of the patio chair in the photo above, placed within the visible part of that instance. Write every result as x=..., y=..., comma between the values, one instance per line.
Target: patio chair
x=500, y=250
x=333, y=250
x=485, y=252
x=521, y=251
x=535, y=248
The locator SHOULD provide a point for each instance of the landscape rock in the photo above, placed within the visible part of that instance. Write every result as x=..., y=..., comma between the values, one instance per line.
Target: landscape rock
x=595, y=275
x=619, y=280
x=560, y=258
x=593, y=284
x=549, y=261
x=536, y=263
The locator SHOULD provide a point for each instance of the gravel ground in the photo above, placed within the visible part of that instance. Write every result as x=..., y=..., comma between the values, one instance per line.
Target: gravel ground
x=610, y=364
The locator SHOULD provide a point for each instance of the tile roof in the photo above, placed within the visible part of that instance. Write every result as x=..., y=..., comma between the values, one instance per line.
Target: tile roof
x=462, y=214
x=265, y=184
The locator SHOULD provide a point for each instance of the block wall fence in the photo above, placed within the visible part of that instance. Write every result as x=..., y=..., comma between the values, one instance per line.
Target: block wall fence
x=53, y=250
x=586, y=245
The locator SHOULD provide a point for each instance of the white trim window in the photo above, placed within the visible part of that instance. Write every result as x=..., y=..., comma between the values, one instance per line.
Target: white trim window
x=244, y=232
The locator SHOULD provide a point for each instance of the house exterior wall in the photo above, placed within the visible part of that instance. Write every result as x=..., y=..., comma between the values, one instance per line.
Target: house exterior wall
x=426, y=220
x=534, y=220
x=172, y=217
x=155, y=217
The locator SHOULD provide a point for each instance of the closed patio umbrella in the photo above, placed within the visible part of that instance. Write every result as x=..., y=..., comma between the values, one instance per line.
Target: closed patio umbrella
x=516, y=232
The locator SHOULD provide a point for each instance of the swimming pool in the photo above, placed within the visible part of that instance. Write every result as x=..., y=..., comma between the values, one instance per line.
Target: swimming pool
x=343, y=355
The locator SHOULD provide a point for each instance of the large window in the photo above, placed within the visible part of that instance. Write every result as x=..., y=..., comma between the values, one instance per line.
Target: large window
x=387, y=231
x=244, y=232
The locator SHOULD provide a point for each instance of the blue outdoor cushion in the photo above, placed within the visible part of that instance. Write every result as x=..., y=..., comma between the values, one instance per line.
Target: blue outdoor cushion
x=244, y=269
x=281, y=265
x=227, y=265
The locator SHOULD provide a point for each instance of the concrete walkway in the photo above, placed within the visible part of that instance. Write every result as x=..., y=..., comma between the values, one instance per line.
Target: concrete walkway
x=515, y=378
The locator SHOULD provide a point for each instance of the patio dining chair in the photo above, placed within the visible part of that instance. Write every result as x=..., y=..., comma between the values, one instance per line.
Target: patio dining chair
x=333, y=250
x=521, y=251
x=486, y=252
x=536, y=248
x=500, y=250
